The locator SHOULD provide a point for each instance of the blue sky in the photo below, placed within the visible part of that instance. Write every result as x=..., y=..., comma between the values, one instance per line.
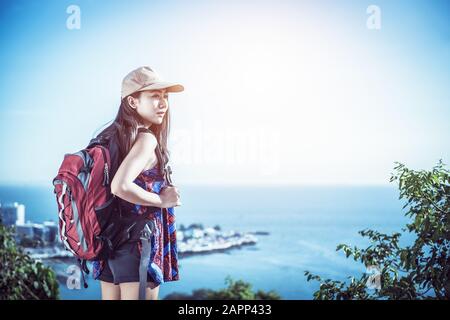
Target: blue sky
x=277, y=92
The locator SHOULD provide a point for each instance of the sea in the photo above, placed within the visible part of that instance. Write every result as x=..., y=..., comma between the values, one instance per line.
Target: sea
x=304, y=224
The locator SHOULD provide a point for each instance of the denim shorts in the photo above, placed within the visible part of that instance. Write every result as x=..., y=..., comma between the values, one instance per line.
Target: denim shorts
x=124, y=266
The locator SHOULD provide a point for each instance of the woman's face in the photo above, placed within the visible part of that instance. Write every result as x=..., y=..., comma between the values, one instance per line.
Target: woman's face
x=152, y=106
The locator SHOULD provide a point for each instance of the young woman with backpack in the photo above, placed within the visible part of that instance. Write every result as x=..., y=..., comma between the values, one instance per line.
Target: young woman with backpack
x=144, y=191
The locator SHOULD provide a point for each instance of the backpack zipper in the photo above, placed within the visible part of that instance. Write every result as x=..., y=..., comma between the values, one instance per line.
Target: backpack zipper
x=106, y=168
x=106, y=175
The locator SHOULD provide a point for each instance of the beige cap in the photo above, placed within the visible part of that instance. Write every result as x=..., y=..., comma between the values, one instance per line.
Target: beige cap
x=144, y=78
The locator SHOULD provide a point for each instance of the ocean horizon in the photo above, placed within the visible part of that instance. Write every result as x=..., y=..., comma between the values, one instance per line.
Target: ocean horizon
x=305, y=224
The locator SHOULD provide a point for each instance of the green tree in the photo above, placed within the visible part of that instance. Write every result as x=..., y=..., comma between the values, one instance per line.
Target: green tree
x=22, y=278
x=196, y=226
x=417, y=271
x=236, y=290
x=199, y=294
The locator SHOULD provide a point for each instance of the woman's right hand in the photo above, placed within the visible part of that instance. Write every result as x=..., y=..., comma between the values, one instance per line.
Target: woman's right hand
x=170, y=197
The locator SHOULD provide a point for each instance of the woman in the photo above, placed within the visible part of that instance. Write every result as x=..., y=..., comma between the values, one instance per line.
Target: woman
x=141, y=127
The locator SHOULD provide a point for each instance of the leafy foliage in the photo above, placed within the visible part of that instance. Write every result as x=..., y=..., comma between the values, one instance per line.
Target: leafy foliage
x=417, y=271
x=236, y=290
x=22, y=278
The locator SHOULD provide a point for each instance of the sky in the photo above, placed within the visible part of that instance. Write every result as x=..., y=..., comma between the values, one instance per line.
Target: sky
x=276, y=92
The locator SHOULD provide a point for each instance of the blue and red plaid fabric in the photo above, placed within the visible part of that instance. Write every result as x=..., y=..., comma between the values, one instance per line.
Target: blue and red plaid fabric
x=163, y=265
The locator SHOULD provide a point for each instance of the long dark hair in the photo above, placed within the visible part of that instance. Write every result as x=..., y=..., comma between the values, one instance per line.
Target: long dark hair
x=124, y=129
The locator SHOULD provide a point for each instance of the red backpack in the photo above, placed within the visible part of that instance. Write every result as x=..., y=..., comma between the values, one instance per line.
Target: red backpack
x=89, y=217
x=91, y=224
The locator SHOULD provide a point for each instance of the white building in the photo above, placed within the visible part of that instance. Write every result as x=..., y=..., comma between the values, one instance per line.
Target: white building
x=20, y=214
x=210, y=231
x=197, y=233
x=193, y=233
x=180, y=235
x=12, y=214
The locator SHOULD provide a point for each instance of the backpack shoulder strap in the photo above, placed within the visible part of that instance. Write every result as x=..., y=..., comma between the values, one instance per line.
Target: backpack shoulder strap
x=115, y=153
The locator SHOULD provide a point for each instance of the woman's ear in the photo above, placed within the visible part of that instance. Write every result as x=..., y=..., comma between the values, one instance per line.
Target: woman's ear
x=131, y=102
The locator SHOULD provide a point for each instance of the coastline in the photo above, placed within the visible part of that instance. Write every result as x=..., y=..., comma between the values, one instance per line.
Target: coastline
x=200, y=242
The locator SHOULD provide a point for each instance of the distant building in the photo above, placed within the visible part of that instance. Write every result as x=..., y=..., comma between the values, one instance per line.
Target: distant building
x=39, y=231
x=187, y=233
x=25, y=230
x=52, y=228
x=46, y=232
x=197, y=233
x=12, y=214
x=193, y=233
x=20, y=214
x=210, y=231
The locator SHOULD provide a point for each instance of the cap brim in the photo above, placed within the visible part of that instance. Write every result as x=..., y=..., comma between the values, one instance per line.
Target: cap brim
x=171, y=87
